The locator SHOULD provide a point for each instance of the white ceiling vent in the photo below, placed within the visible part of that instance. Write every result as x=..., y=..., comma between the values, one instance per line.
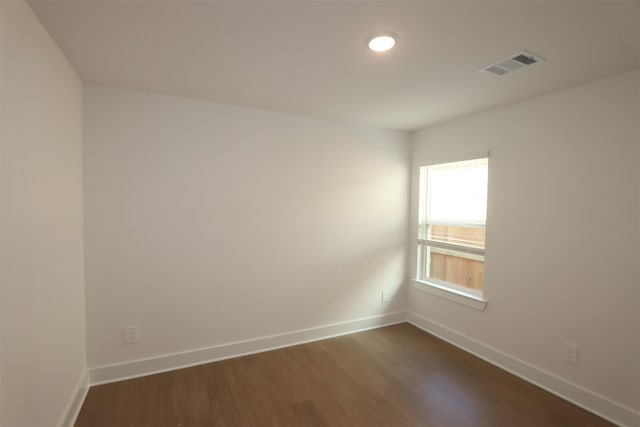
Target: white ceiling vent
x=512, y=63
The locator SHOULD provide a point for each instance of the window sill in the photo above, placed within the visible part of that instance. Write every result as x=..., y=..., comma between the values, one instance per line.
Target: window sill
x=454, y=295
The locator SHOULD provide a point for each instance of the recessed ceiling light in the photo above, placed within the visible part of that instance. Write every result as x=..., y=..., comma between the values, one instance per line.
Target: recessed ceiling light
x=382, y=42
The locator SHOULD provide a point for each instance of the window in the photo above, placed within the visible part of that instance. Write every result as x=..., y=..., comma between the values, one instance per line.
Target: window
x=451, y=229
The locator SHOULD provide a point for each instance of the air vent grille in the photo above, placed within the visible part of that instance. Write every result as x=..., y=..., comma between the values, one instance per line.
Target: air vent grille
x=514, y=62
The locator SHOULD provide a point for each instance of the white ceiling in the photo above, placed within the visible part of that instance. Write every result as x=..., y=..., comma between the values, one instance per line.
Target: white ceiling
x=309, y=57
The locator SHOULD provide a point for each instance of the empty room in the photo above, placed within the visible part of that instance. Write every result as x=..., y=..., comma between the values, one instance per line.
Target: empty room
x=319, y=213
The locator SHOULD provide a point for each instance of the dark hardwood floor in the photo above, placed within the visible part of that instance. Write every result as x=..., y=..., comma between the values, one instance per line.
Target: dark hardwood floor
x=393, y=376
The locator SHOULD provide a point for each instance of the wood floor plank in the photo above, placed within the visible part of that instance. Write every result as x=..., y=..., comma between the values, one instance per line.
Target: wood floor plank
x=392, y=376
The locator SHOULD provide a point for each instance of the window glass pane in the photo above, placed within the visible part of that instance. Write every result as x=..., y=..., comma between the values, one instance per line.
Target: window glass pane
x=459, y=268
x=457, y=192
x=452, y=211
x=422, y=205
x=460, y=235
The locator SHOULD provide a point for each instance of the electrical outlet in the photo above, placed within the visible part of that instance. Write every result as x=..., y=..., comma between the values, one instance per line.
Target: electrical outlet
x=386, y=296
x=570, y=352
x=131, y=334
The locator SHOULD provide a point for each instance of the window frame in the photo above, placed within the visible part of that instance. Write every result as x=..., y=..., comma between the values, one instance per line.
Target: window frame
x=451, y=291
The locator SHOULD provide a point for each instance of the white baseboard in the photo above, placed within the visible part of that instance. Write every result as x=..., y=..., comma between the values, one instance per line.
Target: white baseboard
x=587, y=399
x=170, y=362
x=72, y=410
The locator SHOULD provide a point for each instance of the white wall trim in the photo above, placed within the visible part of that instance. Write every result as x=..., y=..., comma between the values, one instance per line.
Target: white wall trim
x=451, y=294
x=68, y=418
x=587, y=399
x=169, y=362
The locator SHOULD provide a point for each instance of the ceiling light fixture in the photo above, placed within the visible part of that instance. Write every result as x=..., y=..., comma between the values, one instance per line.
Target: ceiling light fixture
x=382, y=42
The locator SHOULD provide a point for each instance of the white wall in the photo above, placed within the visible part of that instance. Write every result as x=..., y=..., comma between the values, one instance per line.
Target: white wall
x=43, y=357
x=208, y=223
x=563, y=236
